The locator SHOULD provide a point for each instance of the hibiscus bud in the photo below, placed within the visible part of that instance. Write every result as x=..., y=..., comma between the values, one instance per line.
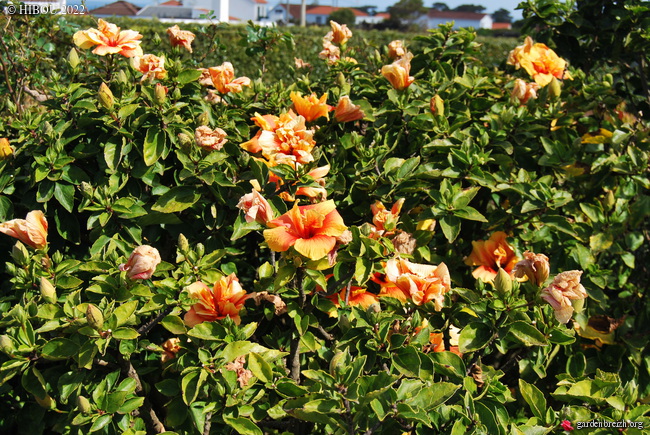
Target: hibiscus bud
x=47, y=402
x=94, y=317
x=5, y=149
x=83, y=405
x=437, y=105
x=121, y=77
x=265, y=270
x=341, y=80
x=20, y=254
x=142, y=263
x=578, y=305
x=156, y=39
x=610, y=199
x=203, y=119
x=554, y=89
x=160, y=93
x=503, y=282
x=185, y=140
x=183, y=244
x=48, y=292
x=86, y=190
x=7, y=344
x=338, y=363
x=73, y=58
x=106, y=98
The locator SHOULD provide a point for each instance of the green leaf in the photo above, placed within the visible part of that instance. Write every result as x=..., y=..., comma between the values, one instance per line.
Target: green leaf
x=33, y=382
x=407, y=361
x=527, y=333
x=534, y=397
x=64, y=193
x=260, y=368
x=243, y=425
x=450, y=227
x=470, y=213
x=154, y=145
x=207, y=331
x=430, y=398
x=174, y=324
x=188, y=75
x=60, y=348
x=177, y=199
x=191, y=384
x=101, y=421
x=125, y=334
x=124, y=312
x=474, y=336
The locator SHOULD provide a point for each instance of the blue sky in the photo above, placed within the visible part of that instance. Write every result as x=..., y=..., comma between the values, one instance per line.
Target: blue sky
x=490, y=5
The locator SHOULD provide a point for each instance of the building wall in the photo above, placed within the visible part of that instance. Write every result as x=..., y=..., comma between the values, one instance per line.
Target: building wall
x=248, y=10
x=433, y=23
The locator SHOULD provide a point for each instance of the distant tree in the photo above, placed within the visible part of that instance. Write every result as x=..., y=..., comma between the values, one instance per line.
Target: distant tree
x=502, y=16
x=469, y=8
x=407, y=11
x=440, y=6
x=343, y=16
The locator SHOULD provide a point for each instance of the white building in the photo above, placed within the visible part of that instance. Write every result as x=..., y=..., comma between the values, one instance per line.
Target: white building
x=460, y=19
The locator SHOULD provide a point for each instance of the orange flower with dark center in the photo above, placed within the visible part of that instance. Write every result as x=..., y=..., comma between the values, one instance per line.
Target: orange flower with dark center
x=311, y=107
x=491, y=255
x=32, y=230
x=389, y=289
x=397, y=73
x=223, y=79
x=225, y=299
x=108, y=39
x=282, y=140
x=310, y=229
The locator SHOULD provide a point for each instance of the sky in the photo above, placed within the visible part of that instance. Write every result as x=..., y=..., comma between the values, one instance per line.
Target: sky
x=490, y=5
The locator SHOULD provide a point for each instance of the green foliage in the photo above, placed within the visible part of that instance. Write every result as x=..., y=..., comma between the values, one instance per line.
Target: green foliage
x=320, y=344
x=343, y=16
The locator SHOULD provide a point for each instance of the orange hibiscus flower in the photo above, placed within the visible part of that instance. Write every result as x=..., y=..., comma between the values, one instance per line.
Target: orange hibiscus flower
x=32, y=230
x=311, y=107
x=151, y=66
x=283, y=139
x=225, y=299
x=182, y=38
x=358, y=296
x=347, y=111
x=539, y=61
x=397, y=73
x=223, y=78
x=491, y=255
x=385, y=221
x=108, y=39
x=423, y=282
x=311, y=229
x=389, y=289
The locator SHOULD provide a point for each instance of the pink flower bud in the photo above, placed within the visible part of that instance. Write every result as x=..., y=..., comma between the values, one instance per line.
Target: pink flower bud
x=142, y=263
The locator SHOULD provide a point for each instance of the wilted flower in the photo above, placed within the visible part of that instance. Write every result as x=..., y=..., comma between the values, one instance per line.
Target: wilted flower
x=213, y=97
x=205, y=79
x=340, y=34
x=223, y=79
x=404, y=243
x=210, y=139
x=385, y=221
x=256, y=207
x=151, y=66
x=539, y=61
x=283, y=139
x=490, y=255
x=237, y=366
x=523, y=91
x=311, y=229
x=31, y=231
x=311, y=107
x=397, y=73
x=225, y=299
x=423, y=282
x=396, y=49
x=142, y=262
x=6, y=150
x=170, y=347
x=180, y=37
x=346, y=111
x=331, y=53
x=301, y=63
x=565, y=288
x=108, y=39
x=534, y=266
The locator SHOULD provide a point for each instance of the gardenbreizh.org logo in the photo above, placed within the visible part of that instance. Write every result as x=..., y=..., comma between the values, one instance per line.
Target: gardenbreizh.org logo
x=42, y=8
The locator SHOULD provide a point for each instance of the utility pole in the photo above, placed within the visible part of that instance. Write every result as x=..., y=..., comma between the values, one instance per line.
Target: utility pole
x=303, y=13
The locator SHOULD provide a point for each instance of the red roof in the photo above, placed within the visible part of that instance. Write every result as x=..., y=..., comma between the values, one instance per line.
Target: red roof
x=383, y=15
x=171, y=3
x=327, y=10
x=454, y=15
x=120, y=8
x=263, y=2
x=500, y=26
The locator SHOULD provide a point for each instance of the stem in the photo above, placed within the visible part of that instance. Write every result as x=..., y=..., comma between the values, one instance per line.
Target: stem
x=144, y=329
x=294, y=350
x=554, y=352
x=151, y=420
x=208, y=424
